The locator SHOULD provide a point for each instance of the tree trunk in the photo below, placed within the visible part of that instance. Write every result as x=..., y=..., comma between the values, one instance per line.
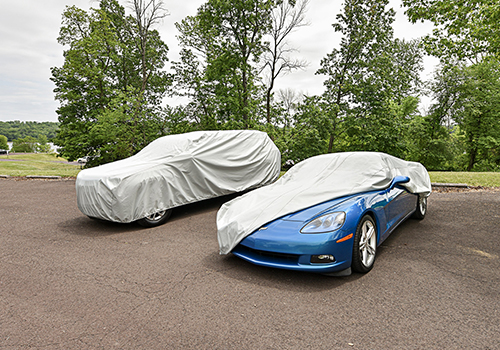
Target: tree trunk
x=268, y=106
x=330, y=144
x=472, y=159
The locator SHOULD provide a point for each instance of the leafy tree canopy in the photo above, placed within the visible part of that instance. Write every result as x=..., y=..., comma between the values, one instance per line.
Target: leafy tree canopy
x=463, y=29
x=367, y=76
x=3, y=142
x=16, y=129
x=218, y=69
x=475, y=108
x=109, y=55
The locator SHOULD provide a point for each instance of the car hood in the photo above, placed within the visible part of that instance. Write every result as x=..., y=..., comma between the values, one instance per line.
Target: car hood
x=316, y=210
x=283, y=235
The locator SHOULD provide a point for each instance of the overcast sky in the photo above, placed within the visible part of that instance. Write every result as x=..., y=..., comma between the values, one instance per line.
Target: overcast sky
x=29, y=48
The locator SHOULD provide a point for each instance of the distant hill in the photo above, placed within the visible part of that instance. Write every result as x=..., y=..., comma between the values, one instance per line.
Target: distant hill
x=16, y=129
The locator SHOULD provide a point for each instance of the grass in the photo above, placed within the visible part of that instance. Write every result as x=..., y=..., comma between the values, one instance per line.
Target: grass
x=37, y=164
x=49, y=164
x=489, y=179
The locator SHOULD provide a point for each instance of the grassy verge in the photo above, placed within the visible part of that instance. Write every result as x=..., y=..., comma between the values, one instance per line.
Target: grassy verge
x=469, y=178
x=36, y=164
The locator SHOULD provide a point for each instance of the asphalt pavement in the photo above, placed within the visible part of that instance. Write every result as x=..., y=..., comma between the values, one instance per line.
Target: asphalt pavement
x=69, y=282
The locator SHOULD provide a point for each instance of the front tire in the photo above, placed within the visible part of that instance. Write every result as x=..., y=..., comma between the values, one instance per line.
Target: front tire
x=365, y=245
x=421, y=210
x=155, y=219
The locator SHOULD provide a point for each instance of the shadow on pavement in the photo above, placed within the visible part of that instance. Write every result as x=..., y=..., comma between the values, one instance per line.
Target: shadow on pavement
x=238, y=269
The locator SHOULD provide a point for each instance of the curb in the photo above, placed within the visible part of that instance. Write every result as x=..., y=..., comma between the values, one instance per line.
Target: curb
x=42, y=177
x=440, y=185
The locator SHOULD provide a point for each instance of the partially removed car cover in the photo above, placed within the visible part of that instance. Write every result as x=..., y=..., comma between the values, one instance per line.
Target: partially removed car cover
x=178, y=169
x=313, y=181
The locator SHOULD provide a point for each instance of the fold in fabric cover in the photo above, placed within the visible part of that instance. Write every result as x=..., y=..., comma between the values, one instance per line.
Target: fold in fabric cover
x=313, y=181
x=178, y=169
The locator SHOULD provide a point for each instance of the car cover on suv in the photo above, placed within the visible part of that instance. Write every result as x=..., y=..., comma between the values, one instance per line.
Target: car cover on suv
x=178, y=169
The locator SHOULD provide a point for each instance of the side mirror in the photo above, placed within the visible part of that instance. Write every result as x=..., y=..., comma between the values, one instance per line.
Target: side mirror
x=399, y=180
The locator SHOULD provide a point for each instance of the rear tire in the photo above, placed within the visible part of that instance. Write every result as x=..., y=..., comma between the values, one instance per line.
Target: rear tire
x=365, y=245
x=421, y=210
x=155, y=219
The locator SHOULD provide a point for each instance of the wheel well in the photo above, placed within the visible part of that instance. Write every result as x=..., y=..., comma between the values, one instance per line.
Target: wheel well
x=374, y=217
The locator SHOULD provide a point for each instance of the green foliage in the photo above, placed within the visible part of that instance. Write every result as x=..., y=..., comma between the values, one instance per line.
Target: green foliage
x=25, y=145
x=3, y=142
x=372, y=81
x=42, y=144
x=119, y=132
x=432, y=144
x=312, y=127
x=113, y=81
x=29, y=144
x=17, y=129
x=463, y=29
x=470, y=97
x=479, y=115
x=218, y=69
x=109, y=55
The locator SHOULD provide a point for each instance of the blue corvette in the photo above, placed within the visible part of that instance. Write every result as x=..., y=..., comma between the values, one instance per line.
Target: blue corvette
x=335, y=235
x=338, y=235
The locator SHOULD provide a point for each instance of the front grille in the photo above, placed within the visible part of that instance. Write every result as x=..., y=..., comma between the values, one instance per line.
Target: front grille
x=270, y=255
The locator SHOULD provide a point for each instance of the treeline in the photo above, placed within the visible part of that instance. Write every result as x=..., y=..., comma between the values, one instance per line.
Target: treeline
x=14, y=130
x=115, y=77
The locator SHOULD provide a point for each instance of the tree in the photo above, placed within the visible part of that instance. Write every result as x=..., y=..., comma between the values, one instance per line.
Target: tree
x=42, y=144
x=432, y=144
x=190, y=81
x=221, y=47
x=312, y=126
x=365, y=26
x=463, y=29
x=366, y=77
x=478, y=114
x=469, y=97
x=384, y=100
x=109, y=55
x=147, y=15
x=16, y=129
x=285, y=18
x=3, y=142
x=466, y=38
x=290, y=100
x=26, y=145
x=436, y=142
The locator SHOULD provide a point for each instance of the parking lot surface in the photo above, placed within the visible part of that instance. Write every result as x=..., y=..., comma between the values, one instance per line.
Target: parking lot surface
x=69, y=282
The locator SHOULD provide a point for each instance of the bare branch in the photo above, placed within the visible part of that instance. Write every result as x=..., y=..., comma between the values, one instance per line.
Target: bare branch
x=286, y=18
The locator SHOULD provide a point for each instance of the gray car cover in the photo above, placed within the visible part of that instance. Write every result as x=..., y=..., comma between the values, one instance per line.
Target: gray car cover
x=313, y=181
x=178, y=169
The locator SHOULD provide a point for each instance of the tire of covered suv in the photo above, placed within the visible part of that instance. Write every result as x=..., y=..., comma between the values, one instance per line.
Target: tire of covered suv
x=155, y=219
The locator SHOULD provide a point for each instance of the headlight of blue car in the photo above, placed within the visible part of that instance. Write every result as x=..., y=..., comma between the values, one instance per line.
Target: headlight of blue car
x=325, y=223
